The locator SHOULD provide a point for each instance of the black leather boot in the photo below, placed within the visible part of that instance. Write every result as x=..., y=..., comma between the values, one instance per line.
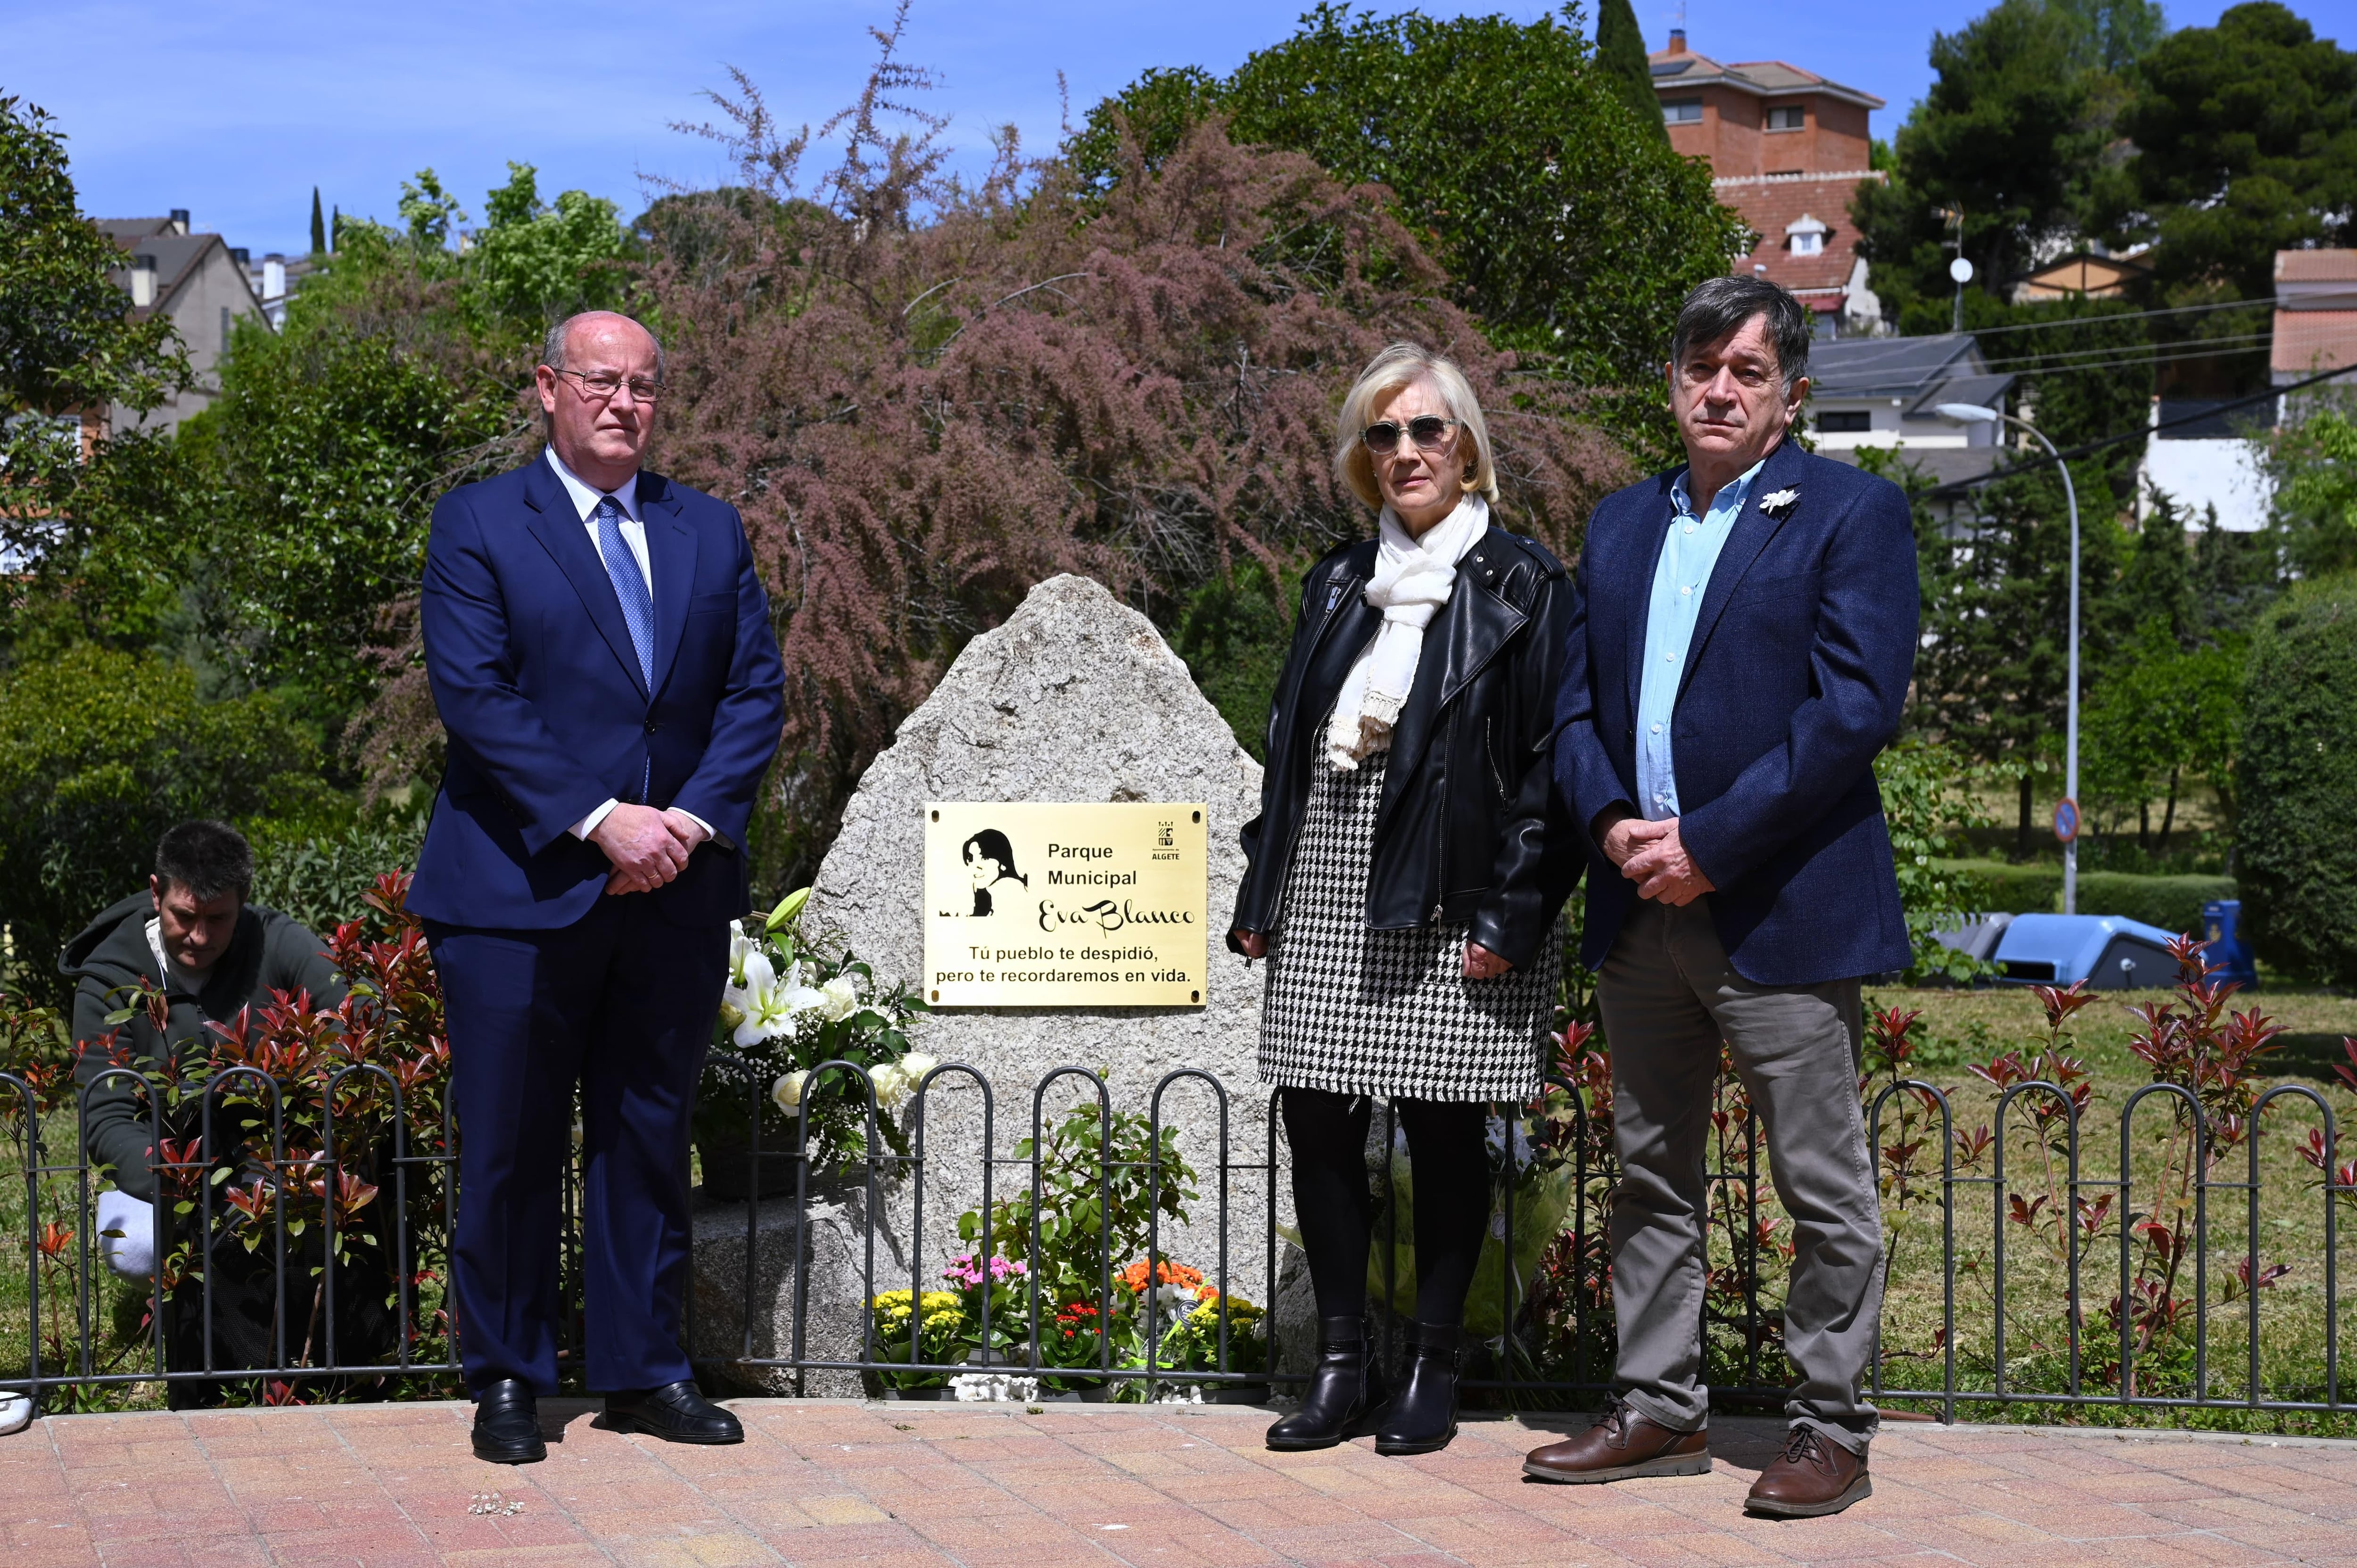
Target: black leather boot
x=1424, y=1418
x=1345, y=1395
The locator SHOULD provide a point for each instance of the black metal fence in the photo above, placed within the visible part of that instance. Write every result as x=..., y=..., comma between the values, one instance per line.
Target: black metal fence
x=2174, y=1281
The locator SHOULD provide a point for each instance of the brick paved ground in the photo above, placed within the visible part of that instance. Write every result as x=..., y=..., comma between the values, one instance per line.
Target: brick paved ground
x=889, y=1485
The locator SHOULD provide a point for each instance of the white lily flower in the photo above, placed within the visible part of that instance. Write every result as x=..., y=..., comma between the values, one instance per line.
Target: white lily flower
x=788, y=1091
x=739, y=947
x=755, y=972
x=766, y=1006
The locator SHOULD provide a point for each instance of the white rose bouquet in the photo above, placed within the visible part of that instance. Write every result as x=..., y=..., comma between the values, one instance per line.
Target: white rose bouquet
x=787, y=1006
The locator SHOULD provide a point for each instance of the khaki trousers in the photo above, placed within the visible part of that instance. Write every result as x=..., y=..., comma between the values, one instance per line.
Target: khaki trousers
x=1669, y=997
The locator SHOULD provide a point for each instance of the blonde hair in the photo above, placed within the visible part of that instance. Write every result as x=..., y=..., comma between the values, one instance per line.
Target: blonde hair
x=1398, y=367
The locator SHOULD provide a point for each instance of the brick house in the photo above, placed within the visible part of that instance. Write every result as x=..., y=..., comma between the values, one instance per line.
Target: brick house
x=1788, y=149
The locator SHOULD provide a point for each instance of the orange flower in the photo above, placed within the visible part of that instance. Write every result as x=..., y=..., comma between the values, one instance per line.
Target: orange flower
x=1165, y=1272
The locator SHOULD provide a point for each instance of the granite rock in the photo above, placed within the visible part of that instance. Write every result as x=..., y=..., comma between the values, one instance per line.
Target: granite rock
x=1076, y=698
x=831, y=1249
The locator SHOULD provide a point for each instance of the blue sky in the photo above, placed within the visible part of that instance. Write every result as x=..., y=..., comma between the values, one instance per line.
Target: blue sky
x=236, y=110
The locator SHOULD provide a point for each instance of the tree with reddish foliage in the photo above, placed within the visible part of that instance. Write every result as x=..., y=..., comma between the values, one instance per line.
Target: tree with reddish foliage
x=926, y=396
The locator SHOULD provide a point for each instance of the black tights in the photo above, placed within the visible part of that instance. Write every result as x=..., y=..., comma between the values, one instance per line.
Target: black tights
x=1328, y=1132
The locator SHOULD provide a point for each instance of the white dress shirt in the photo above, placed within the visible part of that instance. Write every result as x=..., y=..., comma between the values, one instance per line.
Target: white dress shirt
x=586, y=498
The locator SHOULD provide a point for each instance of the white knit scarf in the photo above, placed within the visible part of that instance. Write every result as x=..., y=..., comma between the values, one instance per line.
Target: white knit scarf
x=1412, y=581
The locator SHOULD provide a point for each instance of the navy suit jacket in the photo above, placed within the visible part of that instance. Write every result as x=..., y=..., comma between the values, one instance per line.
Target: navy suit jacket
x=1795, y=677
x=548, y=717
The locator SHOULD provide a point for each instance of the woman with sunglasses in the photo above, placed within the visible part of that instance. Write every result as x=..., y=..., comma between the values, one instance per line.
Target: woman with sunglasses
x=1405, y=877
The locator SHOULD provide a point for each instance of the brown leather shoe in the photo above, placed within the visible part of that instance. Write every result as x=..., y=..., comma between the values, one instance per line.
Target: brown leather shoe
x=1814, y=1476
x=1621, y=1446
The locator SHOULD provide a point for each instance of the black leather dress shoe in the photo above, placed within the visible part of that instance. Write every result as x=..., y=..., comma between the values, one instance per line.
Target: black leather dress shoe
x=507, y=1425
x=674, y=1413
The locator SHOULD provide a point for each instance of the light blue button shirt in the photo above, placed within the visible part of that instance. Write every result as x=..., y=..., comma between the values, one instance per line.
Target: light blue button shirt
x=1680, y=578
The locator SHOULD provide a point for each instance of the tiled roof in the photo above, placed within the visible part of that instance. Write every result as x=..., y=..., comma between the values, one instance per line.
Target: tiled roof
x=2315, y=266
x=2308, y=340
x=1771, y=204
x=1766, y=78
x=119, y=228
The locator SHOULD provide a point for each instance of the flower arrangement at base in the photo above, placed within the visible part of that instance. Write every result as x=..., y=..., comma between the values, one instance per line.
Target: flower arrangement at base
x=930, y=1328
x=787, y=1006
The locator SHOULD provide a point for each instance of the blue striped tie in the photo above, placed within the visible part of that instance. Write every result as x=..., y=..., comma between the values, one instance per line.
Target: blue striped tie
x=638, y=605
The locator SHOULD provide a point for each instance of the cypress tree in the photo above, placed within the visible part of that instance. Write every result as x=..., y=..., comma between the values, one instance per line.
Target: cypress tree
x=318, y=224
x=1620, y=52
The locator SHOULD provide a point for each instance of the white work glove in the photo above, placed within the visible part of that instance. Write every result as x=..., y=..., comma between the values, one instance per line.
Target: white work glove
x=131, y=1254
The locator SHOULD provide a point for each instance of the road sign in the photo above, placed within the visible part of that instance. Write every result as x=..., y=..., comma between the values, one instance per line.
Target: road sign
x=2066, y=819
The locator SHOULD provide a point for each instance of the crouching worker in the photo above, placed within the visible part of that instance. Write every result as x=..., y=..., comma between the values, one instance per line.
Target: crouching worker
x=191, y=936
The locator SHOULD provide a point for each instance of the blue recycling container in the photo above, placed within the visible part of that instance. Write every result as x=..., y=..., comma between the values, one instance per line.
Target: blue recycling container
x=2223, y=944
x=2109, y=952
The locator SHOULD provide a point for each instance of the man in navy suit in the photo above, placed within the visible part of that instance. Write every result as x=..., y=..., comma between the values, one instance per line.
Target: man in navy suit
x=601, y=655
x=1743, y=630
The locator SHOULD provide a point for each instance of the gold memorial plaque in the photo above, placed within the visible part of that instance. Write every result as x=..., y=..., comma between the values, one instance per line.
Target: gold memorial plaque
x=1066, y=906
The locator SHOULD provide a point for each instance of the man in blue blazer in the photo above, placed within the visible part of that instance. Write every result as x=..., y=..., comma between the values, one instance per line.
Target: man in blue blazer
x=1743, y=630
x=601, y=655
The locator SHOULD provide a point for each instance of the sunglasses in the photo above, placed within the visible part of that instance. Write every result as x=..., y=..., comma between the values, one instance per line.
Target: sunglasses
x=1428, y=431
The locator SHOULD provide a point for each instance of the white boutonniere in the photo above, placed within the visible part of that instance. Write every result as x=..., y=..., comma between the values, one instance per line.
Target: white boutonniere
x=1776, y=503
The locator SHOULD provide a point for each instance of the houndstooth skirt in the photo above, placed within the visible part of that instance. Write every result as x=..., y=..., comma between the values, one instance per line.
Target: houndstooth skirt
x=1387, y=1012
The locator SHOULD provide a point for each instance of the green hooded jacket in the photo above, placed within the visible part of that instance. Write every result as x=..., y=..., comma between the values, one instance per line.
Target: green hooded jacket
x=269, y=952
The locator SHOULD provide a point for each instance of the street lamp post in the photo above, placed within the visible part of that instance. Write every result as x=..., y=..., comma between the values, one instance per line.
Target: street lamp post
x=1973, y=414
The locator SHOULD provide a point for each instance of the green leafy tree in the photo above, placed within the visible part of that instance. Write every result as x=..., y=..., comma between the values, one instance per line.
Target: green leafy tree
x=2313, y=461
x=311, y=481
x=69, y=346
x=1993, y=675
x=2297, y=859
x=2111, y=36
x=537, y=262
x=2003, y=136
x=2163, y=716
x=100, y=752
x=1928, y=797
x=1566, y=224
x=429, y=211
x=2246, y=144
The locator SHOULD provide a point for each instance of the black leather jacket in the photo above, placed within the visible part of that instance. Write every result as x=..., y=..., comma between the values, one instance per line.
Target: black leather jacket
x=1469, y=828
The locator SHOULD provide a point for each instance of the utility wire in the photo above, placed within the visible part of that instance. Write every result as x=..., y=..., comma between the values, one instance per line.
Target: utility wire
x=2267, y=303
x=1955, y=488
x=2156, y=353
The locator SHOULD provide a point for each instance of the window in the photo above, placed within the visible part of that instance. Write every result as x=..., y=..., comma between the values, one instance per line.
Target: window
x=1809, y=244
x=1680, y=110
x=1844, y=421
x=1793, y=118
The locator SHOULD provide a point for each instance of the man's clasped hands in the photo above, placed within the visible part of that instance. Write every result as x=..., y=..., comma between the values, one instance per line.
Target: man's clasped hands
x=1652, y=856
x=648, y=847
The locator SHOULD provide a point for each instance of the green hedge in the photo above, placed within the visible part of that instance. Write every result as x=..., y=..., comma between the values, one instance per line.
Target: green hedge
x=2172, y=903
x=2297, y=776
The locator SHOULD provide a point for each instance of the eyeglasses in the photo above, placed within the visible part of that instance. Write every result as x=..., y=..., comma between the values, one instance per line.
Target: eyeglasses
x=1428, y=431
x=599, y=385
